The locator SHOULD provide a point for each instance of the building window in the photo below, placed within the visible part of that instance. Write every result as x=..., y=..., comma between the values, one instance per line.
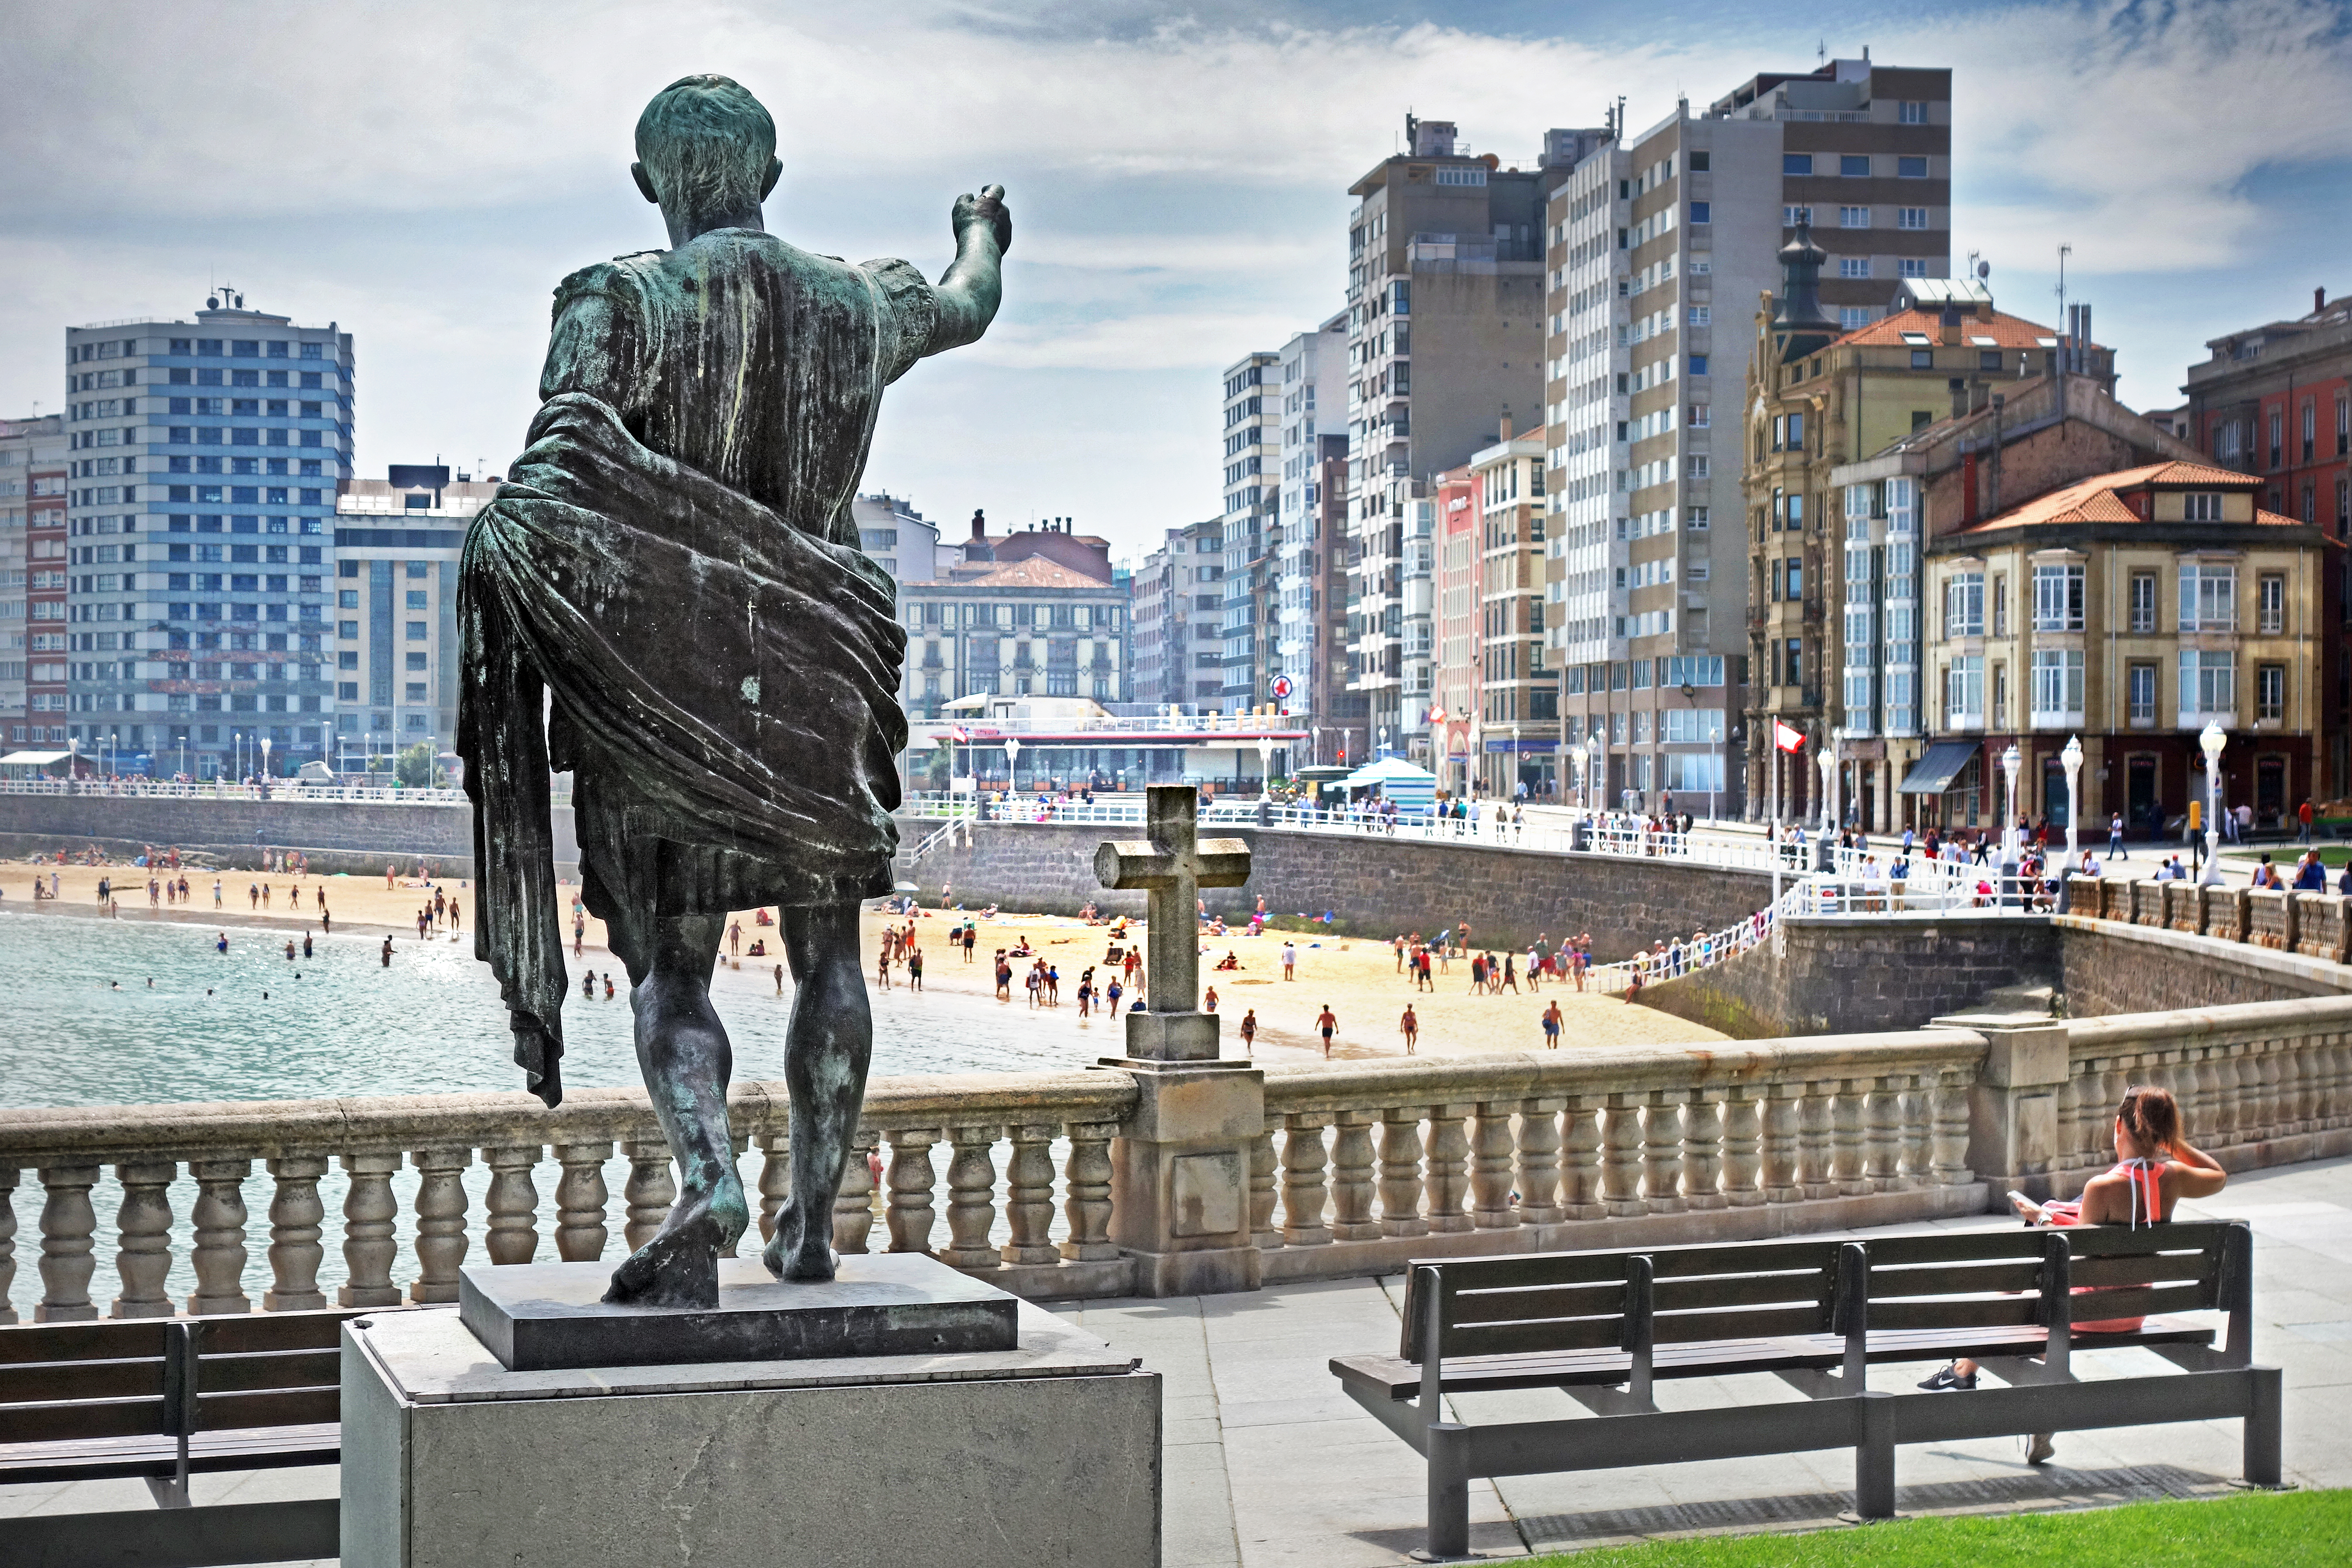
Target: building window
x=1964, y=606
x=2057, y=599
x=1796, y=162
x=1853, y=266
x=2269, y=603
x=1911, y=168
x=2143, y=602
x=1853, y=217
x=1790, y=217
x=1854, y=165
x=1911, y=218
x=2208, y=601
x=1700, y=213
x=2201, y=506
x=2209, y=688
x=1964, y=693
x=1698, y=364
x=2270, y=693
x=1912, y=113
x=2140, y=695
x=1914, y=266
x=2057, y=687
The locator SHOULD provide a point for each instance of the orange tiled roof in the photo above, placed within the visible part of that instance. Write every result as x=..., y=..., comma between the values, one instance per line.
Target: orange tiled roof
x=1033, y=572
x=2096, y=499
x=2006, y=331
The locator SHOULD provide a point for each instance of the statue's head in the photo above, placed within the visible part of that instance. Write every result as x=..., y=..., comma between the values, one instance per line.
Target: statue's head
x=706, y=147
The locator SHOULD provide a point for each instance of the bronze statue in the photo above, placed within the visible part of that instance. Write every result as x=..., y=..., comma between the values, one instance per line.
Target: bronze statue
x=672, y=577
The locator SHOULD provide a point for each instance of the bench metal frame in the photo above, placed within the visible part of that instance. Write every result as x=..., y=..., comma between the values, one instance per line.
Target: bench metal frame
x=1958, y=1316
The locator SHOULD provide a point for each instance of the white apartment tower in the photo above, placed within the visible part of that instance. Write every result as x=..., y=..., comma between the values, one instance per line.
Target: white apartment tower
x=1253, y=444
x=1313, y=380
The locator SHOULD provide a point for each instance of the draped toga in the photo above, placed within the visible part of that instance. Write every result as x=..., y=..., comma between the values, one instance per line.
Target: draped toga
x=667, y=597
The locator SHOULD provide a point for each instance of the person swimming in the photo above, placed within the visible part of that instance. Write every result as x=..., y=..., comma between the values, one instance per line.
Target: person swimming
x=222, y=944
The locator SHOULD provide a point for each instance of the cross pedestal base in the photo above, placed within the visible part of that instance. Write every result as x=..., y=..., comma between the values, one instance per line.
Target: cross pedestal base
x=1172, y=1036
x=1180, y=1174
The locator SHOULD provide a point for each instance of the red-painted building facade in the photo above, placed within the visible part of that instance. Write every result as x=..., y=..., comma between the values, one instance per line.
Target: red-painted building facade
x=2275, y=401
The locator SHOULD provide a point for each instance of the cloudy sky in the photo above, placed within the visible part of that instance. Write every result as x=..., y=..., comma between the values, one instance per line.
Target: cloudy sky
x=422, y=173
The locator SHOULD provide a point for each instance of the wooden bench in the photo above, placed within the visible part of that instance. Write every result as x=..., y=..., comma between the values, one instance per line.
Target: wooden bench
x=1603, y=1327
x=162, y=1399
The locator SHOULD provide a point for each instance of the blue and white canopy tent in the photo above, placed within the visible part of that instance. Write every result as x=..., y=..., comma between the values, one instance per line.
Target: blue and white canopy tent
x=1413, y=789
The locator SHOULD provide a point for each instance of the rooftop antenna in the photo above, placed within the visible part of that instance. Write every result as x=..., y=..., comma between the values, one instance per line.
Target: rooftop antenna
x=2064, y=252
x=1821, y=52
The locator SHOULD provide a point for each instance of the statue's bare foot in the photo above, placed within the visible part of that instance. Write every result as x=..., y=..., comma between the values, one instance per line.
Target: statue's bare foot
x=679, y=1267
x=791, y=1255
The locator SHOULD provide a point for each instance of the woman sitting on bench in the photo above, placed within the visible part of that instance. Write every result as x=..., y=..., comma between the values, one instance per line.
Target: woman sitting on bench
x=2154, y=1168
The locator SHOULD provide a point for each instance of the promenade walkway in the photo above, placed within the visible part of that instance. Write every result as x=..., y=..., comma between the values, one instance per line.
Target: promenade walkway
x=1268, y=1463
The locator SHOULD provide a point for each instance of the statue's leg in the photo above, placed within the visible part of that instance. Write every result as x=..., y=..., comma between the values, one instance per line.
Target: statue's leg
x=825, y=1056
x=682, y=1049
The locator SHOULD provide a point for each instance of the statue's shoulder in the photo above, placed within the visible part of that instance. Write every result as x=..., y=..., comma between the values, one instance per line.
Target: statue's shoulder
x=618, y=276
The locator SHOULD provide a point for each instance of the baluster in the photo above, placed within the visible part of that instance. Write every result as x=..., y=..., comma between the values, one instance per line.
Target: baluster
x=1087, y=1180
x=911, y=1178
x=1029, y=1194
x=1580, y=1158
x=776, y=1180
x=1490, y=1168
x=852, y=1201
x=1919, y=1131
x=648, y=1192
x=1703, y=1151
x=1661, y=1152
x=1449, y=1147
x=1351, y=1177
x=8, y=1178
x=1814, y=1137
x=1949, y=1147
x=2304, y=1074
x=1743, y=1140
x=1882, y=1143
x=1304, y=1190
x=69, y=1228
x=2204, y=1081
x=579, y=1199
x=1848, y=1139
x=2277, y=1108
x=2230, y=1098
x=296, y=1217
x=1263, y=1165
x=219, y=1218
x=971, y=1199
x=513, y=1205
x=440, y=1222
x=2339, y=1064
x=1782, y=1104
x=144, y=1257
x=1621, y=1157
x=1401, y=1171
x=371, y=1238
x=1536, y=1159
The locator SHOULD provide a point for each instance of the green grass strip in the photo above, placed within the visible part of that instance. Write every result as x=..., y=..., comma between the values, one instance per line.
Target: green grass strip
x=2259, y=1530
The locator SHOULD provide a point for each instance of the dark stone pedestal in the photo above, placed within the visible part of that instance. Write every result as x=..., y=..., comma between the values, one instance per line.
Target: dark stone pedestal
x=545, y=1316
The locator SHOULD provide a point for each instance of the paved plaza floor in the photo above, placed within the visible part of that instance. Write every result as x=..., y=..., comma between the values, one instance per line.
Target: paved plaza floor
x=1268, y=1463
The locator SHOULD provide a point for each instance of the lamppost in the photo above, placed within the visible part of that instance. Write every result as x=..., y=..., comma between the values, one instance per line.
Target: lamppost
x=1594, y=752
x=73, y=766
x=1825, y=761
x=2011, y=760
x=2071, y=760
x=1011, y=764
x=2211, y=741
x=1514, y=769
x=265, y=767
x=1265, y=767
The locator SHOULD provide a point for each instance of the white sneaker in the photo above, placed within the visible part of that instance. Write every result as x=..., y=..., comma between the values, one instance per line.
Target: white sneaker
x=2039, y=1449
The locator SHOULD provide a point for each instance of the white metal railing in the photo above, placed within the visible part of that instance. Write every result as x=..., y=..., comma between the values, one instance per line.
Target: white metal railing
x=987, y=733
x=278, y=789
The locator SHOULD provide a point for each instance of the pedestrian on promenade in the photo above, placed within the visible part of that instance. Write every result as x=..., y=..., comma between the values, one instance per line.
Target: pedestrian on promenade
x=1551, y=1023
x=1249, y=1033
x=1326, y=1021
x=2116, y=850
x=2303, y=820
x=1409, y=1027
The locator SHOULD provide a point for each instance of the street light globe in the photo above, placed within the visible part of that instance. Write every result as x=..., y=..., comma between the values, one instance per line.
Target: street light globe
x=2211, y=741
x=2072, y=755
x=2011, y=760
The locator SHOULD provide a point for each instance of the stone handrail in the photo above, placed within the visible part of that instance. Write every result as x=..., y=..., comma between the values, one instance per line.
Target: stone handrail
x=283, y=791
x=1351, y=1168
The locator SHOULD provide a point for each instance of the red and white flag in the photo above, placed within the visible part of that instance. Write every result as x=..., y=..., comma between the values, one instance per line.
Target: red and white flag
x=955, y=734
x=1788, y=740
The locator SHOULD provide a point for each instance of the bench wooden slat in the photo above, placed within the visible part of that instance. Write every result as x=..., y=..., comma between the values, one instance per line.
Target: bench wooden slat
x=81, y=1342
x=1691, y=1328
x=1751, y=1257
x=2144, y=1271
x=2137, y=1301
x=54, y=1382
x=276, y=1407
x=1959, y=1246
x=66, y=1421
x=316, y=1442
x=1737, y=1291
x=286, y=1368
x=254, y=1331
x=1956, y=1312
x=1521, y=1305
x=1944, y=1279
x=1548, y=1334
x=2187, y=1235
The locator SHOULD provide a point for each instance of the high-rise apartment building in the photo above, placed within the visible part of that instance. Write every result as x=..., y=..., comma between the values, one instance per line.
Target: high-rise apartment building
x=1253, y=443
x=32, y=580
x=1649, y=235
x=1313, y=376
x=1445, y=337
x=397, y=543
x=204, y=460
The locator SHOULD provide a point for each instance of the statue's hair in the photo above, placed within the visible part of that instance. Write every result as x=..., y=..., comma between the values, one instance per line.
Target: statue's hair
x=706, y=143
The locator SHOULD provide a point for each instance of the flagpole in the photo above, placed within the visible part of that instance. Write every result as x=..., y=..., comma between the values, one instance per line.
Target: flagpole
x=1773, y=753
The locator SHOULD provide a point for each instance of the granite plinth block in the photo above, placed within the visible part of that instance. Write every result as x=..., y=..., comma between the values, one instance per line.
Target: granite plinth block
x=1047, y=1456
x=541, y=1317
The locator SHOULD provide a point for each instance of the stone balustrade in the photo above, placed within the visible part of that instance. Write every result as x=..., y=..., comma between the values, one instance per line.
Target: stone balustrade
x=1355, y=1168
x=2313, y=924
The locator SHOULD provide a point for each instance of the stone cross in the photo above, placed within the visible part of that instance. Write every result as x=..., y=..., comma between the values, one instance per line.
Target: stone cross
x=1173, y=866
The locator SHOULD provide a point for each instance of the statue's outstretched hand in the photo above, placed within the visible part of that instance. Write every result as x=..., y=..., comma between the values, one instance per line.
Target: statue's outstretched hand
x=987, y=207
